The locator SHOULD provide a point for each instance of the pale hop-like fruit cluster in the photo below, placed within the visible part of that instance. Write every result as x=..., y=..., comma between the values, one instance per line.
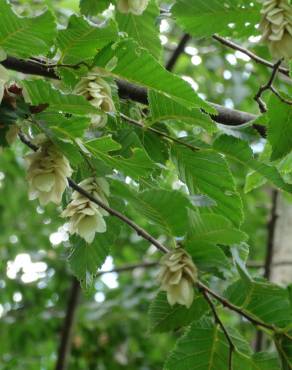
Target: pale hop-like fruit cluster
x=136, y=7
x=276, y=26
x=98, y=92
x=86, y=217
x=177, y=276
x=47, y=172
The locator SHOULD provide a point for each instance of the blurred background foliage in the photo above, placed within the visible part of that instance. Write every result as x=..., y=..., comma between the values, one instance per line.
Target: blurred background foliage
x=112, y=326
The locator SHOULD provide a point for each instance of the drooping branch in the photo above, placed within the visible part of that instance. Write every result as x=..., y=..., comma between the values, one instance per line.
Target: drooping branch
x=236, y=309
x=140, y=231
x=145, y=235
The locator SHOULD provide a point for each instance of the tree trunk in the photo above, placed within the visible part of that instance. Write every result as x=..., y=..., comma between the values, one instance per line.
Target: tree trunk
x=282, y=271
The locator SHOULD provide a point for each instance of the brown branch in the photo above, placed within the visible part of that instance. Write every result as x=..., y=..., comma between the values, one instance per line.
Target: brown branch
x=140, y=231
x=225, y=116
x=254, y=57
x=266, y=87
x=67, y=331
x=220, y=323
x=236, y=309
x=29, y=67
x=177, y=52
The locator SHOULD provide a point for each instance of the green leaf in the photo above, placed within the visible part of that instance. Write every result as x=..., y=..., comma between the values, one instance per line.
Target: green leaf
x=266, y=361
x=93, y=7
x=265, y=301
x=212, y=228
x=240, y=151
x=38, y=92
x=253, y=181
x=143, y=28
x=207, y=172
x=85, y=259
x=127, y=61
x=203, y=347
x=71, y=151
x=205, y=231
x=164, y=317
x=136, y=166
x=279, y=128
x=208, y=257
x=103, y=144
x=63, y=126
x=167, y=209
x=80, y=41
x=163, y=108
x=24, y=37
x=204, y=18
x=284, y=347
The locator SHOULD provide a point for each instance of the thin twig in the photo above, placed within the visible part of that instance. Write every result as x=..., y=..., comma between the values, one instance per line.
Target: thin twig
x=283, y=100
x=140, y=231
x=266, y=87
x=177, y=52
x=67, y=331
x=220, y=323
x=234, y=308
x=252, y=56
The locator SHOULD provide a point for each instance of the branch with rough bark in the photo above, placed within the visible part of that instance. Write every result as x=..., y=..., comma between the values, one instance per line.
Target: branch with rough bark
x=225, y=116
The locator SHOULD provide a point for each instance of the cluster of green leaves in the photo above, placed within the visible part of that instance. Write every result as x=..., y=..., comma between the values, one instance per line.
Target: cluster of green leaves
x=185, y=191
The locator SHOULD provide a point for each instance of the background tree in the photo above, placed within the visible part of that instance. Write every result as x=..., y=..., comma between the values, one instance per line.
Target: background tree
x=109, y=160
